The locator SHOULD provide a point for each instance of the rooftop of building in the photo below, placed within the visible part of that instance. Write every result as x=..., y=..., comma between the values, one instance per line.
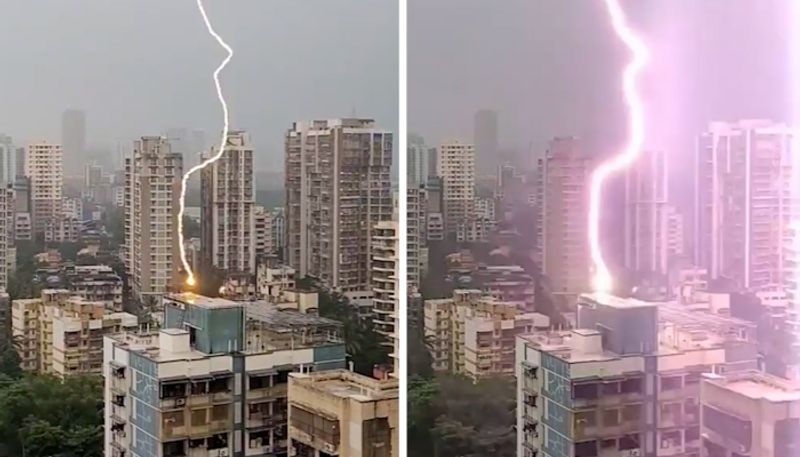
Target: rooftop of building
x=614, y=301
x=149, y=344
x=347, y=384
x=559, y=343
x=287, y=320
x=202, y=301
x=757, y=386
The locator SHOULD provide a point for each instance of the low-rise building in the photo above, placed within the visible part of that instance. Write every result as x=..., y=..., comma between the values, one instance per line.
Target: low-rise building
x=95, y=283
x=272, y=280
x=62, y=230
x=61, y=333
x=344, y=414
x=213, y=381
x=23, y=226
x=749, y=414
x=474, y=334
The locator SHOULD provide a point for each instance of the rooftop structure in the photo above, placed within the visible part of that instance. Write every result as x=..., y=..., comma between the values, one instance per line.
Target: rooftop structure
x=343, y=413
x=218, y=370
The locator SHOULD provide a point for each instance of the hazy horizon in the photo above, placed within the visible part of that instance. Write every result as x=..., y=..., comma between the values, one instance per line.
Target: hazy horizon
x=142, y=68
x=552, y=68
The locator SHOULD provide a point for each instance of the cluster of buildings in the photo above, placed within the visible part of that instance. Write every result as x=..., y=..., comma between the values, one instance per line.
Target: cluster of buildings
x=671, y=372
x=650, y=378
x=256, y=371
x=232, y=378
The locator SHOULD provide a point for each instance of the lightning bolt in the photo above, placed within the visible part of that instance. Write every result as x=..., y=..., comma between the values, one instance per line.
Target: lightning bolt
x=602, y=281
x=190, y=280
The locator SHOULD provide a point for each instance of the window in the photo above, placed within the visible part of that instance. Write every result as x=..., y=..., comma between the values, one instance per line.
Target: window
x=631, y=386
x=628, y=442
x=585, y=391
x=631, y=413
x=259, y=382
x=671, y=383
x=610, y=417
x=586, y=449
x=198, y=417
x=609, y=388
x=671, y=439
x=585, y=418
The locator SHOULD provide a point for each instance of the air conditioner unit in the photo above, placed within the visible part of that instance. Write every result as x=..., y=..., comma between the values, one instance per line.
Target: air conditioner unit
x=180, y=402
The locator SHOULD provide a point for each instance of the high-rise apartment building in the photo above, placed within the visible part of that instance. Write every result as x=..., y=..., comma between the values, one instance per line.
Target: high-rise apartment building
x=343, y=413
x=73, y=137
x=337, y=188
x=562, y=189
x=213, y=381
x=8, y=160
x=742, y=201
x=262, y=233
x=418, y=161
x=626, y=380
x=385, y=262
x=646, y=214
x=7, y=225
x=416, y=237
x=152, y=194
x=43, y=167
x=456, y=167
x=486, y=142
x=676, y=245
x=278, y=218
x=227, y=222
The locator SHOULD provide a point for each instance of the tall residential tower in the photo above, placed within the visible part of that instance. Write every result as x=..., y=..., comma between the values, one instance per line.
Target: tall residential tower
x=337, y=188
x=742, y=201
x=562, y=234
x=44, y=168
x=646, y=214
x=228, y=241
x=152, y=194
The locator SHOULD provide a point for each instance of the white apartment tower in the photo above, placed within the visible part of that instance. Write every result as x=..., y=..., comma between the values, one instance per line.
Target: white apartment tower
x=455, y=165
x=416, y=224
x=152, y=193
x=337, y=188
x=44, y=168
x=418, y=161
x=646, y=214
x=675, y=235
x=742, y=201
x=7, y=250
x=562, y=187
x=262, y=233
x=385, y=284
x=228, y=192
x=8, y=160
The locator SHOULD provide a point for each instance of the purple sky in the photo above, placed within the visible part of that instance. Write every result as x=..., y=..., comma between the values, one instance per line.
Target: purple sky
x=551, y=67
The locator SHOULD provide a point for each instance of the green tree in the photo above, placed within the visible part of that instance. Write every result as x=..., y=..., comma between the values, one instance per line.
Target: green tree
x=363, y=344
x=38, y=412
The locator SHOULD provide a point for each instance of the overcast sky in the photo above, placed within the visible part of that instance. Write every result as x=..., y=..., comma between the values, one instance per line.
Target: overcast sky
x=551, y=67
x=141, y=67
